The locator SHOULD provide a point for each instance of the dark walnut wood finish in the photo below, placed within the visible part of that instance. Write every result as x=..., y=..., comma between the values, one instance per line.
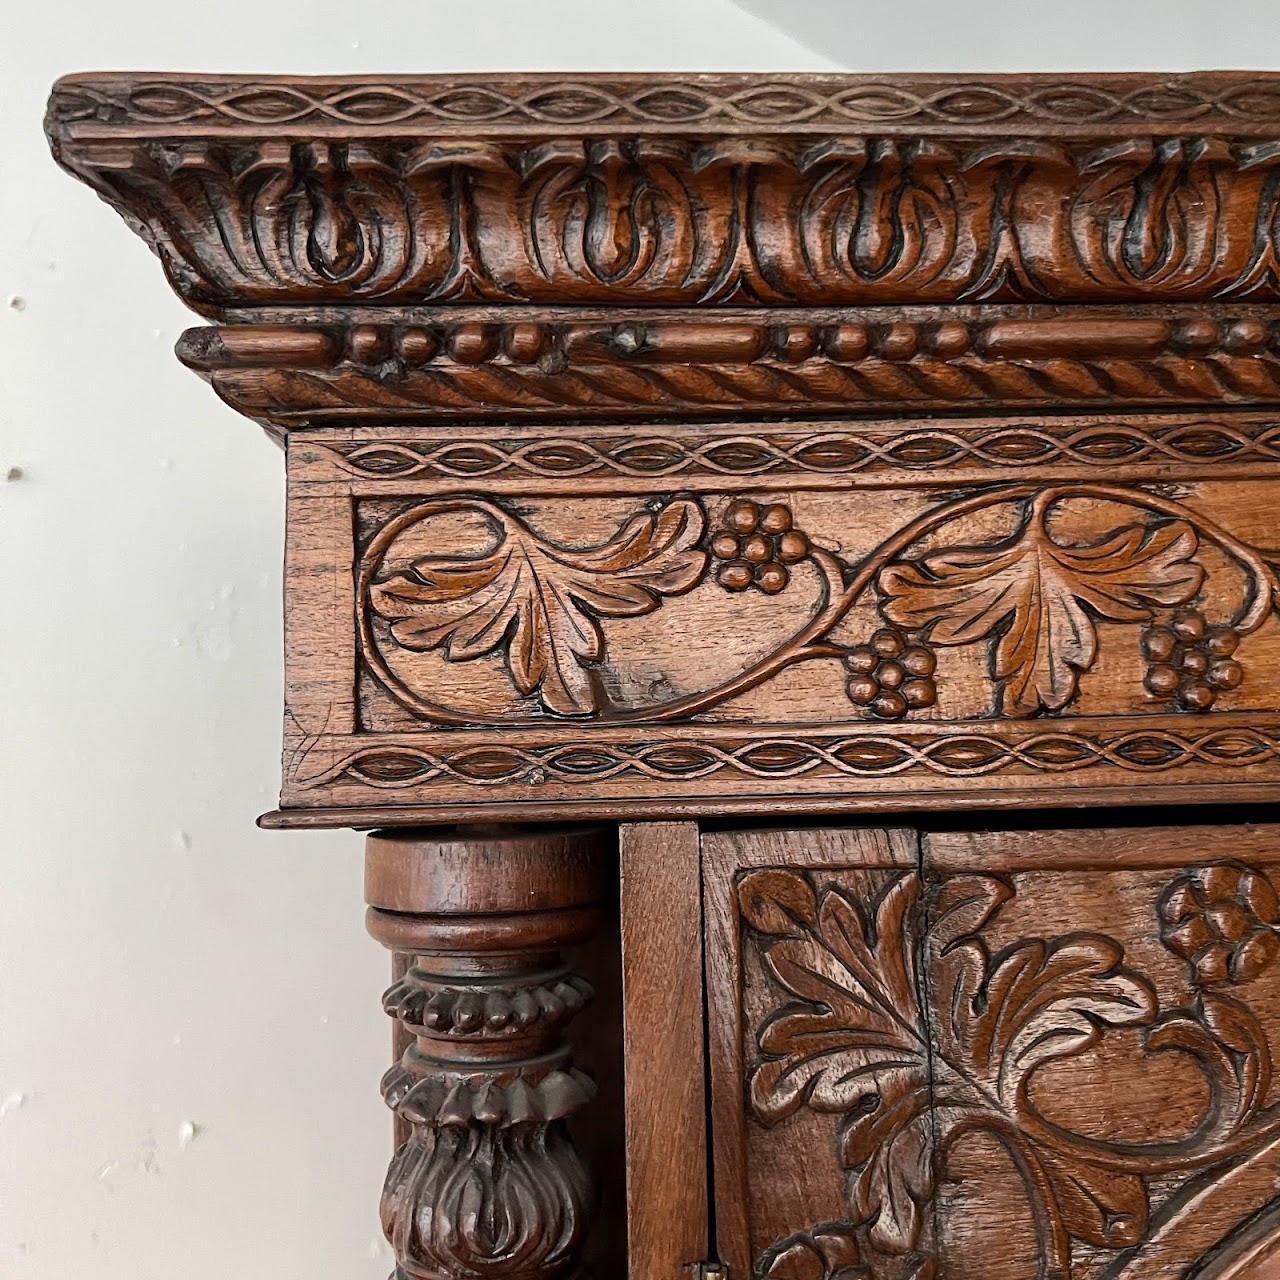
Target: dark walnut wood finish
x=674, y=447
x=488, y=1179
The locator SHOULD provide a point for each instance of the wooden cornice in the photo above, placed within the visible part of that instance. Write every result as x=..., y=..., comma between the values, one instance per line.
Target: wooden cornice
x=549, y=351
x=390, y=247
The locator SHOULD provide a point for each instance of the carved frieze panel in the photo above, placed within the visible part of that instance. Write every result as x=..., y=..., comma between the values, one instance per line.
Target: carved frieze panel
x=1061, y=1042
x=803, y=624
x=552, y=357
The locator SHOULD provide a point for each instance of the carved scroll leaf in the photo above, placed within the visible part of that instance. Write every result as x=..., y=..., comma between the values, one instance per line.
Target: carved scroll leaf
x=998, y=1018
x=857, y=1044
x=860, y=1026
x=1039, y=1001
x=1228, y=1044
x=1001, y=1018
x=1039, y=596
x=541, y=601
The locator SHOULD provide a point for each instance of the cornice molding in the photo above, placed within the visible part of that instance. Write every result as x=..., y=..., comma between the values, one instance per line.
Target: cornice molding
x=466, y=363
x=678, y=191
x=981, y=370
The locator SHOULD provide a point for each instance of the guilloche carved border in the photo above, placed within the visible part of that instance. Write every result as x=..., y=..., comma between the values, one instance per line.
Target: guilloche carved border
x=720, y=102
x=939, y=750
x=927, y=451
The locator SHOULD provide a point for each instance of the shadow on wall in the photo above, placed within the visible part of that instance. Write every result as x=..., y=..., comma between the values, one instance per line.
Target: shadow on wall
x=1014, y=35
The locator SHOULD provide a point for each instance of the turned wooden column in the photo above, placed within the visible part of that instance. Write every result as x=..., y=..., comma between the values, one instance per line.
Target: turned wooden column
x=489, y=1182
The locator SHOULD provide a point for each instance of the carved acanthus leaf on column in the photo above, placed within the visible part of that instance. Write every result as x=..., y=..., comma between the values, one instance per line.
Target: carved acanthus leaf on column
x=489, y=1184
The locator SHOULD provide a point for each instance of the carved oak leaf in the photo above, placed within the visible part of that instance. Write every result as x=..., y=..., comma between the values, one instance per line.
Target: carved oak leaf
x=1040, y=597
x=857, y=1044
x=541, y=601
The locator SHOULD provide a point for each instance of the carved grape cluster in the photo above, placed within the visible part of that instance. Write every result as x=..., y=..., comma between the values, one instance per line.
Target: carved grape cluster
x=756, y=546
x=891, y=676
x=1189, y=661
x=1222, y=921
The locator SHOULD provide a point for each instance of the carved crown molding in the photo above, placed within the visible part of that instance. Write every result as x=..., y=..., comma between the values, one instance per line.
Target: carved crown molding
x=580, y=375
x=670, y=191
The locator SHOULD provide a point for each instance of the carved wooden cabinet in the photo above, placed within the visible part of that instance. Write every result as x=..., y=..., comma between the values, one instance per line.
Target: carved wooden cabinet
x=681, y=469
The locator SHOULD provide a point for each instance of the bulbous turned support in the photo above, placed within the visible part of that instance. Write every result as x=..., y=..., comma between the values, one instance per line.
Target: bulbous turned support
x=489, y=1185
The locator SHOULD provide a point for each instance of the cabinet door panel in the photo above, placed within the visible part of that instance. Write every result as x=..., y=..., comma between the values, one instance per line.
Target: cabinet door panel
x=1103, y=1034
x=815, y=1003
x=1037, y=1055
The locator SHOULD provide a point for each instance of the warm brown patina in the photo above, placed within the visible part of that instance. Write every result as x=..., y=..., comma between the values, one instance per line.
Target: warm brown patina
x=672, y=447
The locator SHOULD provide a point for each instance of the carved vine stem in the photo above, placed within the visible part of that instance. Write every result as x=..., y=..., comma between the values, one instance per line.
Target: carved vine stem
x=807, y=642
x=543, y=601
x=847, y=1037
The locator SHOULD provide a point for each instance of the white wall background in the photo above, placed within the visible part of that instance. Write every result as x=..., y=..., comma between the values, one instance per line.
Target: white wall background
x=163, y=964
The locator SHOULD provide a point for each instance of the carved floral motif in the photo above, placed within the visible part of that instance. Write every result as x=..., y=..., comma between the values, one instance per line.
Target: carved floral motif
x=851, y=1039
x=479, y=1200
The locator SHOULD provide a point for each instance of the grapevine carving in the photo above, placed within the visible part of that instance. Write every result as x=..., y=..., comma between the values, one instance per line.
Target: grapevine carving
x=1040, y=598
x=1035, y=596
x=851, y=1040
x=537, y=601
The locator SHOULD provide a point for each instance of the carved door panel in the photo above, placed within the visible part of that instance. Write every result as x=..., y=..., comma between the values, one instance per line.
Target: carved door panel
x=1105, y=1006
x=1029, y=1055
x=816, y=1004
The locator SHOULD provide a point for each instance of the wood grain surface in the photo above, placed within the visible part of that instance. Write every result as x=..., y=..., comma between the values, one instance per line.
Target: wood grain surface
x=781, y=447
x=665, y=1051
x=666, y=446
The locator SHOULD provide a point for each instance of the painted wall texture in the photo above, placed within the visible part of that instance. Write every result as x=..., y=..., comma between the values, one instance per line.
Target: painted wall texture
x=190, y=1038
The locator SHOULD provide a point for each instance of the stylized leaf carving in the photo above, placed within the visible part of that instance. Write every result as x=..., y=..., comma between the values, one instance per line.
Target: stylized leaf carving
x=860, y=1025
x=1102, y=1206
x=851, y=1039
x=1035, y=1001
x=1040, y=598
x=857, y=1044
x=542, y=601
